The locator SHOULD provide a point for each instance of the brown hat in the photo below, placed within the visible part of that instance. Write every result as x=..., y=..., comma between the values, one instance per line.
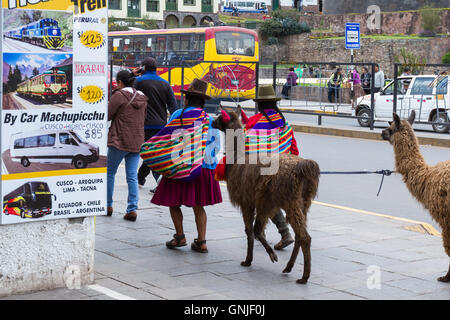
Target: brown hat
x=149, y=63
x=266, y=93
x=197, y=88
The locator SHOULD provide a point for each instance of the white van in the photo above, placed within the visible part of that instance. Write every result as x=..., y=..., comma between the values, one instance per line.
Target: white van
x=428, y=95
x=52, y=147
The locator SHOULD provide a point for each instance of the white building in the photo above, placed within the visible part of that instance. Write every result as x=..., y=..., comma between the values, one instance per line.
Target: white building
x=168, y=13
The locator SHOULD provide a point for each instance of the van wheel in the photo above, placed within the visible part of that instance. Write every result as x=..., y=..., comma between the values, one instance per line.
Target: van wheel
x=25, y=162
x=364, y=121
x=440, y=128
x=79, y=162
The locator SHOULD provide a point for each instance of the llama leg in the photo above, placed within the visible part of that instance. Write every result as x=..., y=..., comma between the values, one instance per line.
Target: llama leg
x=302, y=239
x=446, y=240
x=259, y=234
x=249, y=217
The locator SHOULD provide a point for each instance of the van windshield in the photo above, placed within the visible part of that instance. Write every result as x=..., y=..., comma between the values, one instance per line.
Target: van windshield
x=78, y=137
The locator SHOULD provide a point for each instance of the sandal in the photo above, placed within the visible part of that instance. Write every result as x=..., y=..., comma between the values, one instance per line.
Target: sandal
x=197, y=246
x=170, y=244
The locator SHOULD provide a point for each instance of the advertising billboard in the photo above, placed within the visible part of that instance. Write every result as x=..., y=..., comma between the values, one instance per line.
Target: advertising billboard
x=53, y=108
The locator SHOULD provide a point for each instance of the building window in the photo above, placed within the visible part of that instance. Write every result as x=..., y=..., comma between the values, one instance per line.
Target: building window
x=115, y=4
x=189, y=2
x=152, y=5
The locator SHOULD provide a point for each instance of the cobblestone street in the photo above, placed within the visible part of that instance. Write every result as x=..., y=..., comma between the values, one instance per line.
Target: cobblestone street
x=348, y=249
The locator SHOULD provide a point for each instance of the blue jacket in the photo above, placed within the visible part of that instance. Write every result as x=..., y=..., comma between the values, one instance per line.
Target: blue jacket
x=160, y=99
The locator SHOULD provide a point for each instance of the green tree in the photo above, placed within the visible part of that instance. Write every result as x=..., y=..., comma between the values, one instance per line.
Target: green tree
x=446, y=58
x=283, y=23
x=14, y=78
x=409, y=59
x=431, y=19
x=35, y=71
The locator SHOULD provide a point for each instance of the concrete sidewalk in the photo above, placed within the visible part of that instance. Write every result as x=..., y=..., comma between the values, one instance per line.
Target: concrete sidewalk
x=355, y=255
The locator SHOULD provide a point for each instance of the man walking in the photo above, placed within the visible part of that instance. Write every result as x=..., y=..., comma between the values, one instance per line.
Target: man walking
x=160, y=100
x=379, y=79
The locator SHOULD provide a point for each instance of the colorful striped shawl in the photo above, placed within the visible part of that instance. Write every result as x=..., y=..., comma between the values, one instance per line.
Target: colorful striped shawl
x=175, y=152
x=265, y=137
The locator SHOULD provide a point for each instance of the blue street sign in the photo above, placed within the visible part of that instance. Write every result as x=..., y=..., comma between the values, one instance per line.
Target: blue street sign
x=352, y=36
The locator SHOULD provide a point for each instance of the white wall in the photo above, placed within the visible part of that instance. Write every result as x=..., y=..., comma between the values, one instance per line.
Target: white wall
x=46, y=255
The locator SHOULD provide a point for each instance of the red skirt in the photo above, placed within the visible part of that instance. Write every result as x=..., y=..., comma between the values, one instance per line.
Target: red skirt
x=203, y=191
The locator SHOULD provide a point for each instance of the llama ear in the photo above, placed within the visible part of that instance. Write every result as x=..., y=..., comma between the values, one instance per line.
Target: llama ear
x=412, y=116
x=225, y=116
x=244, y=117
x=396, y=119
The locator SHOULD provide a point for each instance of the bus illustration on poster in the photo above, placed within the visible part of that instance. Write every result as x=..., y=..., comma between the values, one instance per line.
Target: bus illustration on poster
x=53, y=104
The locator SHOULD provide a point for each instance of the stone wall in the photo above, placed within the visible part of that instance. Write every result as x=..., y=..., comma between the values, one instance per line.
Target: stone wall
x=360, y=6
x=301, y=48
x=46, y=255
x=390, y=23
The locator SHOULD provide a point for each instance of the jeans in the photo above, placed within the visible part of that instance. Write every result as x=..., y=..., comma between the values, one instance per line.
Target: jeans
x=333, y=90
x=144, y=170
x=115, y=157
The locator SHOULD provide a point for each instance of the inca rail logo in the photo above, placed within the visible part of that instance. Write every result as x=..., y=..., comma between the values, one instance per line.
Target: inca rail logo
x=91, y=94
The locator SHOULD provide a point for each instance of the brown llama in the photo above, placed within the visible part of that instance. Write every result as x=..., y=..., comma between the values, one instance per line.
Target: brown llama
x=430, y=185
x=292, y=188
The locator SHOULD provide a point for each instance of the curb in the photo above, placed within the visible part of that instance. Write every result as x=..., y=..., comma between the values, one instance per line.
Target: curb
x=436, y=142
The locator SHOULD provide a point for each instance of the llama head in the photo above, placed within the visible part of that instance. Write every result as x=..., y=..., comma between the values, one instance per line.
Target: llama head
x=398, y=127
x=228, y=120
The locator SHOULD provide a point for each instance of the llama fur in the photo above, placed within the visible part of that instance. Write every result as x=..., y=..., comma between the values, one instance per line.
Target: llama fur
x=292, y=188
x=430, y=185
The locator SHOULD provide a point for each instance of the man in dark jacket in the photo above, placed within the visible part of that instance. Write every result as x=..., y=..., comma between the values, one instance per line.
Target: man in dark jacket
x=160, y=100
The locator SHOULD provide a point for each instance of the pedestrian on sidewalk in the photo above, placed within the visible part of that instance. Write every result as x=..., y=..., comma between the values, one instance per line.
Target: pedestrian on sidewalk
x=291, y=81
x=379, y=79
x=268, y=110
x=126, y=111
x=200, y=192
x=334, y=85
x=161, y=100
x=366, y=78
x=357, y=91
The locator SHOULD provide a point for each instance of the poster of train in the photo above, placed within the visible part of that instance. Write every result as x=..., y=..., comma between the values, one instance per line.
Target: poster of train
x=53, y=104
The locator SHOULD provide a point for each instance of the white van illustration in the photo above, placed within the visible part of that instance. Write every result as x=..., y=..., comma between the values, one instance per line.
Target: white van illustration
x=52, y=147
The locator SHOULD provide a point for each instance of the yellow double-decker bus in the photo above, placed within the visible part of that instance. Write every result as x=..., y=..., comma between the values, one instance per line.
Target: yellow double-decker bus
x=225, y=57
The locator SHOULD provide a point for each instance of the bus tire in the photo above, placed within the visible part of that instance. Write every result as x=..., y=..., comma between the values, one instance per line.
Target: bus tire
x=25, y=162
x=22, y=213
x=79, y=162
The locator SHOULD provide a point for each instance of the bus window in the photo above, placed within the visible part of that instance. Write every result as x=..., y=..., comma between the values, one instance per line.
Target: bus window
x=161, y=44
x=185, y=41
x=139, y=44
x=235, y=43
x=173, y=42
x=26, y=189
x=127, y=46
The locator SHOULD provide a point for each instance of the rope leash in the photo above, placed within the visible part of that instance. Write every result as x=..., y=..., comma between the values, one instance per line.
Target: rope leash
x=383, y=172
